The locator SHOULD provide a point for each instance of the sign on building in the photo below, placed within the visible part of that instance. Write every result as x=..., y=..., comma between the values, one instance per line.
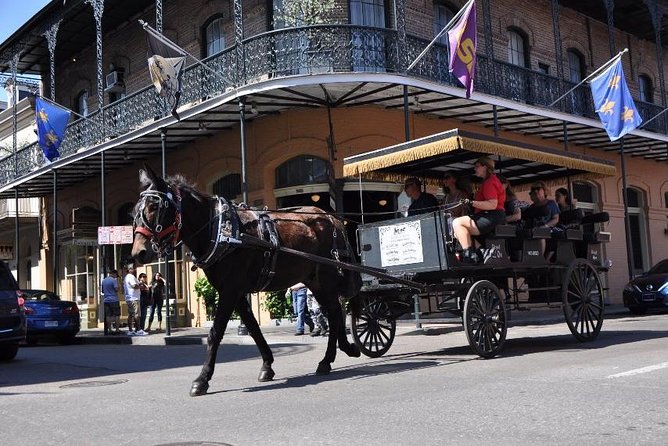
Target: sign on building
x=114, y=235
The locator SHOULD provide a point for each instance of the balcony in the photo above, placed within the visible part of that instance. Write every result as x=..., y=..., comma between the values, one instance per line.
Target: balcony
x=314, y=50
x=28, y=207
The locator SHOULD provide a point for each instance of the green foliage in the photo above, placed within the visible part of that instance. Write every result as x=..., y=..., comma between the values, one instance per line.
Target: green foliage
x=303, y=12
x=206, y=291
x=277, y=304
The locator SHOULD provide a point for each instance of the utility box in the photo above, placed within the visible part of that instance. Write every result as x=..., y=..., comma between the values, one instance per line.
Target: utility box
x=88, y=315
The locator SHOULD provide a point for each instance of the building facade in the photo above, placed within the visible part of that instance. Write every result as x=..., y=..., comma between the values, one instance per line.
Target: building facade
x=310, y=89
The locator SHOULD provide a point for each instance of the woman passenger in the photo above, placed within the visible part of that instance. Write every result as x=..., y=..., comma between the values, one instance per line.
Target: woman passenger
x=563, y=199
x=488, y=210
x=512, y=206
x=456, y=190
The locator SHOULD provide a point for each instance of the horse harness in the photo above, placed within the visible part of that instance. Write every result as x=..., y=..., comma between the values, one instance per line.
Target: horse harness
x=163, y=240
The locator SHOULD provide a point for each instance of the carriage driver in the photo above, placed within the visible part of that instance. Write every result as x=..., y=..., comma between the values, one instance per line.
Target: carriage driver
x=488, y=208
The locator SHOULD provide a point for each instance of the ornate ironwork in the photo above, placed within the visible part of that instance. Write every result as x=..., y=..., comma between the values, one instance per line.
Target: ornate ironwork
x=400, y=16
x=238, y=41
x=50, y=35
x=98, y=11
x=309, y=50
x=158, y=16
x=610, y=10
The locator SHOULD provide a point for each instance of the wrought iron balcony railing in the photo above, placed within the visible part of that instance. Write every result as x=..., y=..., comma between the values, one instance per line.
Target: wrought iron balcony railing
x=312, y=50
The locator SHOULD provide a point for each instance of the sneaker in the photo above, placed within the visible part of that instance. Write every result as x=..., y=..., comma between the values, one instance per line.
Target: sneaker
x=141, y=333
x=132, y=333
x=299, y=333
x=315, y=332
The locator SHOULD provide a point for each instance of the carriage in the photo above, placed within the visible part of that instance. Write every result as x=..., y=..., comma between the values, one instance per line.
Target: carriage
x=420, y=251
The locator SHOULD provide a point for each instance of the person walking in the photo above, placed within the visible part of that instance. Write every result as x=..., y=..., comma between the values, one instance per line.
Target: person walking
x=144, y=300
x=300, y=306
x=112, y=307
x=157, y=298
x=132, y=298
x=317, y=316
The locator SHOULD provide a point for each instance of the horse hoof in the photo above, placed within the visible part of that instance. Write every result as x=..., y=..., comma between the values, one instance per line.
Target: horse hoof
x=323, y=369
x=266, y=375
x=199, y=389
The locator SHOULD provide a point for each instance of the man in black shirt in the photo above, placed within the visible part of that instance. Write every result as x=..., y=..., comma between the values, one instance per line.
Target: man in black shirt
x=422, y=202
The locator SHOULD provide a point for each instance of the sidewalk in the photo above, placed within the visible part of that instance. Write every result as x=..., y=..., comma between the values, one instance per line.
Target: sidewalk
x=405, y=327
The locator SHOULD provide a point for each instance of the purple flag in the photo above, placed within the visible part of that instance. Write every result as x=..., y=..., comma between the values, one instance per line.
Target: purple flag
x=463, y=43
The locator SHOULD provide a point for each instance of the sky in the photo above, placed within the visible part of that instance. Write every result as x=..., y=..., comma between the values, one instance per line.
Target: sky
x=14, y=14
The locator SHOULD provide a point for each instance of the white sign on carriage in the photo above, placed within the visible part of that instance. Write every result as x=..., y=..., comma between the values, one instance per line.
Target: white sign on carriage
x=401, y=244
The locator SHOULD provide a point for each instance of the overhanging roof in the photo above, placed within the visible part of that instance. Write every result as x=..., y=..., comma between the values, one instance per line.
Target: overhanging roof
x=431, y=156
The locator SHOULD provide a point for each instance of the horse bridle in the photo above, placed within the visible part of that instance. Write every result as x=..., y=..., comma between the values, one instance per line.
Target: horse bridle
x=163, y=239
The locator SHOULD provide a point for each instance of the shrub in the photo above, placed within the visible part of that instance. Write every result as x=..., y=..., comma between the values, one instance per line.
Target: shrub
x=277, y=304
x=206, y=291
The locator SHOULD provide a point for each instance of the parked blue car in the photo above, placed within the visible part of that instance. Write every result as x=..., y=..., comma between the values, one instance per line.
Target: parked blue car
x=50, y=317
x=12, y=317
x=648, y=290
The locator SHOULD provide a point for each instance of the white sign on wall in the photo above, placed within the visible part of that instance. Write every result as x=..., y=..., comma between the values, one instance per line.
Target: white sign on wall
x=401, y=244
x=114, y=235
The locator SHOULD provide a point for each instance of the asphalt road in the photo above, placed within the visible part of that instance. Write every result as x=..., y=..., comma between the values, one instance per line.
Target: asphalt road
x=546, y=388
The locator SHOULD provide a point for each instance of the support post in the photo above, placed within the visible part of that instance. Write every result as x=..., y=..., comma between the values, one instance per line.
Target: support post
x=243, y=330
x=54, y=254
x=17, y=239
x=627, y=223
x=163, y=156
x=98, y=11
x=50, y=35
x=610, y=9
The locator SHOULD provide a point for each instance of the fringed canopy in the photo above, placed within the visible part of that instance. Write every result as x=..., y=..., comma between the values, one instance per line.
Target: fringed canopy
x=455, y=150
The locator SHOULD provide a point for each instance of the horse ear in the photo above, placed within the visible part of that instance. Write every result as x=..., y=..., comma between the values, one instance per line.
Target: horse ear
x=147, y=176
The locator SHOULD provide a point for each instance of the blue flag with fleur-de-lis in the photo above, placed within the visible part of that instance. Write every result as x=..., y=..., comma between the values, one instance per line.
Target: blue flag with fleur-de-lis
x=613, y=102
x=51, y=125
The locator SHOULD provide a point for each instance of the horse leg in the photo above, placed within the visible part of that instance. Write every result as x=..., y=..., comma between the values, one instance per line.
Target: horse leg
x=246, y=314
x=337, y=332
x=225, y=307
x=349, y=349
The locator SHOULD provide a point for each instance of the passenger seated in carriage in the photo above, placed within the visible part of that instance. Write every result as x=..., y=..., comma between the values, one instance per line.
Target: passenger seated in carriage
x=488, y=207
x=456, y=188
x=422, y=201
x=543, y=212
x=513, y=206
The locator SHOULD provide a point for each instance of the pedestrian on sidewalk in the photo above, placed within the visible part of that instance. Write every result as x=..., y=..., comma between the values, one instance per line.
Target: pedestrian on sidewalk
x=112, y=307
x=157, y=299
x=299, y=304
x=317, y=315
x=132, y=298
x=144, y=300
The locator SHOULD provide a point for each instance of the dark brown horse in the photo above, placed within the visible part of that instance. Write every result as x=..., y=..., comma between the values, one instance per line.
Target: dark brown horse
x=220, y=236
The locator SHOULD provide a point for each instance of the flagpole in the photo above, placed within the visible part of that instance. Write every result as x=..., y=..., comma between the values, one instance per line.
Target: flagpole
x=175, y=47
x=446, y=28
x=602, y=68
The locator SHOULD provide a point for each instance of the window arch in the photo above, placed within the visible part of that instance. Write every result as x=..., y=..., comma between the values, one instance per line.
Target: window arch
x=518, y=50
x=213, y=36
x=82, y=103
x=646, y=90
x=368, y=13
x=228, y=187
x=303, y=169
x=124, y=215
x=576, y=65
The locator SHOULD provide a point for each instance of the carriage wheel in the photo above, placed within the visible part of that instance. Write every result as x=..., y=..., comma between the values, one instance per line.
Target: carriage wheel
x=485, y=319
x=374, y=327
x=582, y=299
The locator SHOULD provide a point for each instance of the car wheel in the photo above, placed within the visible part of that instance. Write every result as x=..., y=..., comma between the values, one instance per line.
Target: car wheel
x=67, y=339
x=637, y=309
x=8, y=351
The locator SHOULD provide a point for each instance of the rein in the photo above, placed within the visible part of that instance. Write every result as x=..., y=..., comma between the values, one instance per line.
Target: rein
x=163, y=240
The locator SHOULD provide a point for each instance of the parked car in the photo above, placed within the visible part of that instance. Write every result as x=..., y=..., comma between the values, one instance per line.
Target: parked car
x=48, y=316
x=649, y=290
x=12, y=316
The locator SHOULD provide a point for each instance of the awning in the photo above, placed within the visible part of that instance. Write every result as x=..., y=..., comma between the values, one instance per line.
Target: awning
x=430, y=157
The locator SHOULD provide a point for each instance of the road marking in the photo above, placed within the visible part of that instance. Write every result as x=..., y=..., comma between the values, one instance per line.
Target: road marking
x=647, y=369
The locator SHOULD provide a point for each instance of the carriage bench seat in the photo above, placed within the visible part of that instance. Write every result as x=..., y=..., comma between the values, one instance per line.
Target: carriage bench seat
x=504, y=231
x=534, y=233
x=568, y=234
x=596, y=237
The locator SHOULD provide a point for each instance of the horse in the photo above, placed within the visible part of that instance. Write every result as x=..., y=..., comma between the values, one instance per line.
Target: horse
x=239, y=250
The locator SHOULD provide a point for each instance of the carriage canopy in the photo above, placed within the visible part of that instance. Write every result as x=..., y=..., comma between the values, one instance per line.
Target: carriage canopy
x=430, y=157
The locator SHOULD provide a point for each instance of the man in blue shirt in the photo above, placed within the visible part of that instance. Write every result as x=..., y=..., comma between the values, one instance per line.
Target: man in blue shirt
x=112, y=307
x=422, y=201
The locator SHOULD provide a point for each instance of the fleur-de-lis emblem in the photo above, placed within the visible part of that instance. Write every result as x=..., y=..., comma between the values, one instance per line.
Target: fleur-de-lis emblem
x=51, y=138
x=627, y=114
x=614, y=82
x=607, y=107
x=43, y=116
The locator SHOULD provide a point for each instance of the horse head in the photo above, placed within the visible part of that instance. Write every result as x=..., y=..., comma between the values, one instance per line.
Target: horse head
x=157, y=217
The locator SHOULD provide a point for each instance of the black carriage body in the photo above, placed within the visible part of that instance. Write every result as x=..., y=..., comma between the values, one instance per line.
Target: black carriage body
x=421, y=249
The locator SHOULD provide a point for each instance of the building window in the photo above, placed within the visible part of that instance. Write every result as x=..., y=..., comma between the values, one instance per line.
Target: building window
x=665, y=199
x=543, y=68
x=637, y=225
x=517, y=48
x=304, y=169
x=442, y=16
x=215, y=40
x=576, y=66
x=368, y=13
x=228, y=187
x=82, y=103
x=645, y=85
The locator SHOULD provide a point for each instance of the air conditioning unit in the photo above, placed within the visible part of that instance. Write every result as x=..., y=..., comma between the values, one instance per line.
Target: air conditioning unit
x=115, y=83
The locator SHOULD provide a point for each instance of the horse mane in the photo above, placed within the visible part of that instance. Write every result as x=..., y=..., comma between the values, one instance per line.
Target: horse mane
x=179, y=181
